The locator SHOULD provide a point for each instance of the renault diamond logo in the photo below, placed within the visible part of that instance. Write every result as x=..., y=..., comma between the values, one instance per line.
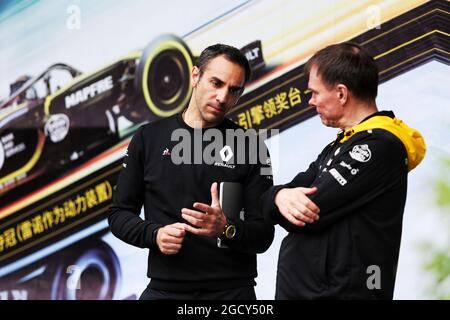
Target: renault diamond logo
x=226, y=153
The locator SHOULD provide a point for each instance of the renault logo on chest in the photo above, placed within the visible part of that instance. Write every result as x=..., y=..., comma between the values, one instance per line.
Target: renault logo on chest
x=226, y=153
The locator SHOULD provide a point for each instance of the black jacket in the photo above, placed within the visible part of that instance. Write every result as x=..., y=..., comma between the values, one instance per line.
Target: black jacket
x=151, y=179
x=362, y=185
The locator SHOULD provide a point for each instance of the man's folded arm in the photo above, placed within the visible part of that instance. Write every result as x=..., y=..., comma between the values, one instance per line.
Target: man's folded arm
x=349, y=183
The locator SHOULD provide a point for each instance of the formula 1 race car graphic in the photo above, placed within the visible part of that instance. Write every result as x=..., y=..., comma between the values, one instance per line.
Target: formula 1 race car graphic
x=62, y=117
x=64, y=133
x=63, y=122
x=89, y=271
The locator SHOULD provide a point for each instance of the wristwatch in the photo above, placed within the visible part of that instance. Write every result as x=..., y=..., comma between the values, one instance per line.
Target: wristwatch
x=229, y=231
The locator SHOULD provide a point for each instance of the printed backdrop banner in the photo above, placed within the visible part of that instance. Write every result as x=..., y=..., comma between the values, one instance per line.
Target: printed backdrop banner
x=79, y=77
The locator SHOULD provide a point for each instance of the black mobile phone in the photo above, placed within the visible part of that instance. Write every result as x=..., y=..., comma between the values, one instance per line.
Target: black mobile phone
x=231, y=197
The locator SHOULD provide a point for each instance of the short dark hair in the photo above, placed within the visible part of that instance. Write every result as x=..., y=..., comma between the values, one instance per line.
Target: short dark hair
x=347, y=63
x=232, y=54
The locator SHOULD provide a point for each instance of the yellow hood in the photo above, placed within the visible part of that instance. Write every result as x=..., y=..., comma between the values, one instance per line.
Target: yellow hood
x=411, y=138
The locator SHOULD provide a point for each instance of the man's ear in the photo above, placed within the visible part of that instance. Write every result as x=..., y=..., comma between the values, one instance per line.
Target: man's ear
x=342, y=93
x=195, y=76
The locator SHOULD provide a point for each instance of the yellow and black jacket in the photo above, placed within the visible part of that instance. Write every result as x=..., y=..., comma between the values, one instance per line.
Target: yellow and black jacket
x=362, y=182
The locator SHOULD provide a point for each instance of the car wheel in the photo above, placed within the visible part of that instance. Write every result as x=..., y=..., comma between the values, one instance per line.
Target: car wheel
x=163, y=75
x=87, y=273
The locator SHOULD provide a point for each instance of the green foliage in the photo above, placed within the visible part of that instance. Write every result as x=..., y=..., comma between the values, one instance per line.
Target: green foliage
x=438, y=263
x=439, y=266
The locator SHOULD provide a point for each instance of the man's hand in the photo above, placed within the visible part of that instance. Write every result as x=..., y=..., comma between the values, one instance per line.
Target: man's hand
x=210, y=220
x=296, y=207
x=170, y=237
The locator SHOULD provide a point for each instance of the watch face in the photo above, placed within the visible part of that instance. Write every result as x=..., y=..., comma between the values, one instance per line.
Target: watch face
x=230, y=231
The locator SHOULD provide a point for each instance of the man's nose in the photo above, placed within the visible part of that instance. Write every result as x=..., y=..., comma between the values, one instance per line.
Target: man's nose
x=311, y=102
x=222, y=95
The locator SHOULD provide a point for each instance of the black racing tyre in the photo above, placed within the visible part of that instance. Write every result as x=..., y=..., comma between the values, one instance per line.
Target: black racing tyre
x=163, y=75
x=87, y=272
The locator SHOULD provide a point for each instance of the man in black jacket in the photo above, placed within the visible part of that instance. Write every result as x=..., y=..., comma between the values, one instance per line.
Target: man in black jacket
x=196, y=250
x=344, y=213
